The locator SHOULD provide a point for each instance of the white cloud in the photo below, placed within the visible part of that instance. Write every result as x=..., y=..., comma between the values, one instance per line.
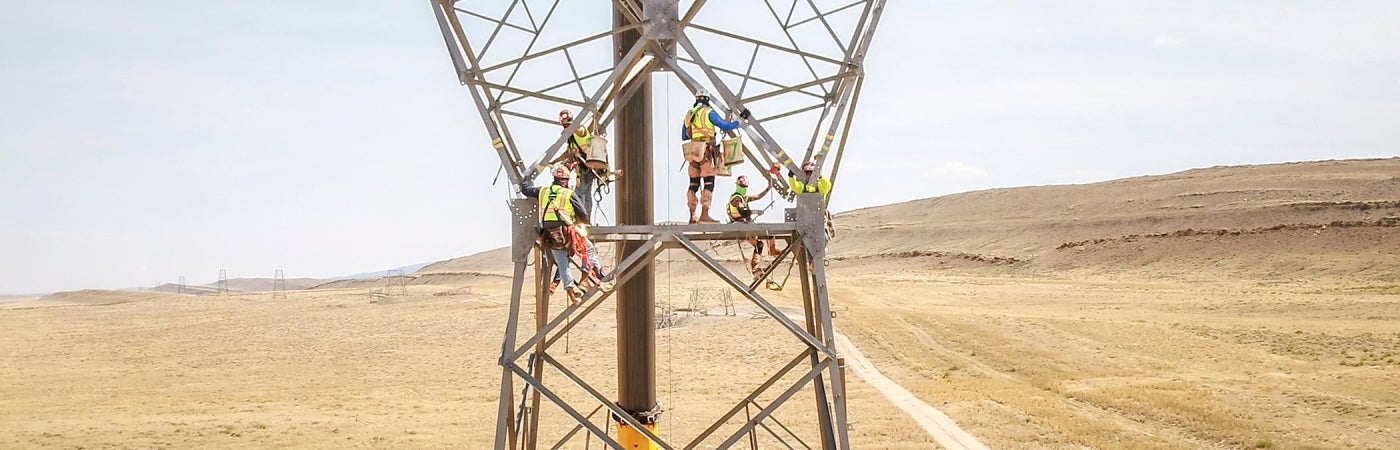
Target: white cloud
x=1166, y=41
x=956, y=170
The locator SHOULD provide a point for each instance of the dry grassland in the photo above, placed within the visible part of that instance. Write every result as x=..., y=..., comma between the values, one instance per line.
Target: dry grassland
x=343, y=369
x=1045, y=363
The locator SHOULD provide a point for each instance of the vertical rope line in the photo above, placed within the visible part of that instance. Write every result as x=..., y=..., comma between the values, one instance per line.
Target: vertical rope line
x=667, y=124
x=671, y=334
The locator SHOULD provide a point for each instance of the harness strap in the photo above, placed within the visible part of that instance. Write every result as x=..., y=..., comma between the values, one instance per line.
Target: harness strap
x=548, y=204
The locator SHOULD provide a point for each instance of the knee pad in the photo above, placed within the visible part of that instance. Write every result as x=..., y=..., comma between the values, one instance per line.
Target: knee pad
x=709, y=183
x=694, y=184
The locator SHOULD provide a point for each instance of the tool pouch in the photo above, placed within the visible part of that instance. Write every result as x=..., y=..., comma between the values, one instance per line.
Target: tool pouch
x=554, y=238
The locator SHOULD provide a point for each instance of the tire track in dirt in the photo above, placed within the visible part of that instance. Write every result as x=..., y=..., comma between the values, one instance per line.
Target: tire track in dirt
x=935, y=422
x=931, y=343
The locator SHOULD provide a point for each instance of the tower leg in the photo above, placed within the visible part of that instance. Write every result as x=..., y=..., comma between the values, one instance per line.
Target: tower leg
x=543, y=277
x=636, y=314
x=632, y=439
x=505, y=418
x=809, y=305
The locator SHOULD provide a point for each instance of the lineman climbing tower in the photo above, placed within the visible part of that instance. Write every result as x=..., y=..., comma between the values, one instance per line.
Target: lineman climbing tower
x=795, y=65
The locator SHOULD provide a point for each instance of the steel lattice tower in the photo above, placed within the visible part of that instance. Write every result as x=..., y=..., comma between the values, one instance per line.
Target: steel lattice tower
x=279, y=285
x=395, y=283
x=797, y=65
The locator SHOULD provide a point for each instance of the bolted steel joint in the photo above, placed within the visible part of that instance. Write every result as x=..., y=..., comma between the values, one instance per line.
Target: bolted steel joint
x=648, y=417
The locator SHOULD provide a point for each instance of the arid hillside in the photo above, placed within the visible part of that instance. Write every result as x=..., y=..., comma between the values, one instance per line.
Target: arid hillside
x=241, y=285
x=1275, y=222
x=488, y=262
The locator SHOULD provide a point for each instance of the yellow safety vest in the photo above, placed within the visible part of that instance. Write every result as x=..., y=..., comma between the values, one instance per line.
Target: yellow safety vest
x=554, y=199
x=822, y=185
x=743, y=203
x=581, y=142
x=701, y=128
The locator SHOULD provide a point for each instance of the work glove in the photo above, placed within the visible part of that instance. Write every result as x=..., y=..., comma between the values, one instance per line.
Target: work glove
x=745, y=114
x=773, y=170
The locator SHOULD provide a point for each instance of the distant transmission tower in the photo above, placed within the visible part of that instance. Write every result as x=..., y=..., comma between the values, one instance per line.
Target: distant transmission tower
x=223, y=282
x=395, y=283
x=180, y=289
x=279, y=285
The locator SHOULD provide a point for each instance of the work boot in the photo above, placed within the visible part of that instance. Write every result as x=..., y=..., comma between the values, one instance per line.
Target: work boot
x=753, y=265
x=773, y=248
x=691, y=201
x=705, y=207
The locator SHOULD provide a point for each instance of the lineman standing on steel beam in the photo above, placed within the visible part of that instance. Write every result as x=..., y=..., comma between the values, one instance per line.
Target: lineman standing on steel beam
x=576, y=159
x=560, y=209
x=701, y=127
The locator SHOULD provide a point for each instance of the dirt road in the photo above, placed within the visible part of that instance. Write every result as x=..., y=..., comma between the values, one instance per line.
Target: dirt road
x=938, y=425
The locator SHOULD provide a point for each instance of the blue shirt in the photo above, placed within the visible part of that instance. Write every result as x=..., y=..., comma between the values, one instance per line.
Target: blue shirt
x=720, y=124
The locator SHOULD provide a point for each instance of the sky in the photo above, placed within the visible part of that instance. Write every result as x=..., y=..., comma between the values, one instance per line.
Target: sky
x=143, y=141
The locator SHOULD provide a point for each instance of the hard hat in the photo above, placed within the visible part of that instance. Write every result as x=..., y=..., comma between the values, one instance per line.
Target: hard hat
x=561, y=173
x=809, y=166
x=565, y=113
x=743, y=180
x=701, y=93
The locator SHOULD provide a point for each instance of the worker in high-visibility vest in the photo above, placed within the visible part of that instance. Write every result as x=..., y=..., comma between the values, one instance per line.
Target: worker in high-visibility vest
x=576, y=158
x=740, y=212
x=803, y=186
x=703, y=124
x=560, y=209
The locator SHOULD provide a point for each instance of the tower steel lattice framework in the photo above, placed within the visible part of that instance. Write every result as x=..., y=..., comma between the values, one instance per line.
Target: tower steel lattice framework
x=795, y=65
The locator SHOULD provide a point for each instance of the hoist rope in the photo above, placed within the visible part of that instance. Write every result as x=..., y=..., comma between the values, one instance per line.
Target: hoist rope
x=670, y=296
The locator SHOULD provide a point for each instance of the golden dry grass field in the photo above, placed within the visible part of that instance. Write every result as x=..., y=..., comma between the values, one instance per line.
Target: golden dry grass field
x=344, y=369
x=1239, y=307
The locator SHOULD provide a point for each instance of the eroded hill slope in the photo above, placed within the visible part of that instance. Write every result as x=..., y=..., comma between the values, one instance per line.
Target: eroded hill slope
x=1265, y=221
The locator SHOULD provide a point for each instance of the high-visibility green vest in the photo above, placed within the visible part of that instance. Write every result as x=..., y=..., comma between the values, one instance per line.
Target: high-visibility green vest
x=701, y=128
x=743, y=204
x=554, y=199
x=822, y=185
x=581, y=142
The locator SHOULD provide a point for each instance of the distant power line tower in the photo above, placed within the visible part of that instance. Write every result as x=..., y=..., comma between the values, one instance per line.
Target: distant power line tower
x=395, y=283
x=223, y=282
x=180, y=289
x=279, y=285
x=702, y=298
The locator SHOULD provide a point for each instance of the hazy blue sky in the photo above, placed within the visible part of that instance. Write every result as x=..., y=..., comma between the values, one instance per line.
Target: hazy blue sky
x=141, y=141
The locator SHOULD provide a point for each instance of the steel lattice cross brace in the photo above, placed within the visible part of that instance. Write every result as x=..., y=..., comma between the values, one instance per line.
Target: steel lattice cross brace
x=807, y=240
x=795, y=65
x=797, y=59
